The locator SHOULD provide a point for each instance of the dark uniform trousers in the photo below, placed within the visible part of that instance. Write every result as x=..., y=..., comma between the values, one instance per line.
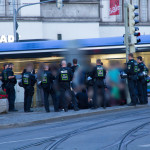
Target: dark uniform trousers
x=99, y=93
x=51, y=92
x=141, y=86
x=145, y=92
x=55, y=100
x=132, y=90
x=46, y=101
x=10, y=90
x=28, y=94
x=65, y=93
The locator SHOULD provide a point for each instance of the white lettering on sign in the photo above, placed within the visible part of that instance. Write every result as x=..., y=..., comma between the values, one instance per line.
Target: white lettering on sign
x=7, y=39
x=114, y=9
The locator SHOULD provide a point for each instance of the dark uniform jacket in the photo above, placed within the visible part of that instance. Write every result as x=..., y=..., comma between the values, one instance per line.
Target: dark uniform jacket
x=132, y=69
x=64, y=77
x=28, y=79
x=4, y=78
x=98, y=75
x=47, y=80
x=98, y=72
x=13, y=81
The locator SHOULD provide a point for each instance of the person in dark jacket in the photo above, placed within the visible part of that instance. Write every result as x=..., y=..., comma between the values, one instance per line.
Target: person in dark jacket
x=64, y=78
x=28, y=82
x=10, y=90
x=75, y=65
x=98, y=75
x=141, y=82
x=47, y=81
x=4, y=76
x=131, y=71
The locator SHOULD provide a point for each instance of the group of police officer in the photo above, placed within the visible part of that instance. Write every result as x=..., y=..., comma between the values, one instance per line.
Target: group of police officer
x=61, y=91
x=137, y=76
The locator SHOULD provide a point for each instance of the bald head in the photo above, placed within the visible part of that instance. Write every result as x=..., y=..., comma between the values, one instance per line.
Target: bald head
x=64, y=63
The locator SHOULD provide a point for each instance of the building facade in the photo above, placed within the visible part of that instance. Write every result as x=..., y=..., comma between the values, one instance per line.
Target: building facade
x=77, y=19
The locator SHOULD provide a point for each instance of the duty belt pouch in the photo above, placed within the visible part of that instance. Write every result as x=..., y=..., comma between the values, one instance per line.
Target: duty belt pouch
x=134, y=77
x=143, y=81
x=100, y=83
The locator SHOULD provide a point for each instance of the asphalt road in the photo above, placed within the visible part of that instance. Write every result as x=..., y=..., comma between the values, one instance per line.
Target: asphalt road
x=123, y=130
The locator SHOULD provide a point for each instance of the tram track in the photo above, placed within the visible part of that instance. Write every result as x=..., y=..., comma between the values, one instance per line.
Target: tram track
x=59, y=139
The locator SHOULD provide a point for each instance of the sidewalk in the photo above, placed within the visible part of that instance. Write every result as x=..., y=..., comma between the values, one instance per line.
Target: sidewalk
x=20, y=119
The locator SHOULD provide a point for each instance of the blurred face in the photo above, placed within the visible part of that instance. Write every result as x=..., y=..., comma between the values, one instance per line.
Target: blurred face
x=138, y=60
x=29, y=69
x=129, y=57
x=12, y=66
x=64, y=64
x=46, y=68
x=6, y=66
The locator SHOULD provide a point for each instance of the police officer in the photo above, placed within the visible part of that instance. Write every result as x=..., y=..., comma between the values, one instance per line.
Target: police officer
x=144, y=79
x=141, y=80
x=10, y=83
x=131, y=71
x=28, y=82
x=145, y=85
x=47, y=81
x=4, y=76
x=98, y=74
x=64, y=78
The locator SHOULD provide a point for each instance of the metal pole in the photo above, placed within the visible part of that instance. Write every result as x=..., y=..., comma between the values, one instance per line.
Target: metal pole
x=126, y=44
x=126, y=29
x=14, y=20
x=15, y=13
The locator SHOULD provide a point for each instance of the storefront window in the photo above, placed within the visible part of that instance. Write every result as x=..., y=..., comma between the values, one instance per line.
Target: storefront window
x=120, y=16
x=2, y=7
x=149, y=10
x=143, y=10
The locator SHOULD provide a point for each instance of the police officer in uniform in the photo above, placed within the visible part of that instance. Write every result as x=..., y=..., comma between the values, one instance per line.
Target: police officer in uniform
x=145, y=81
x=98, y=74
x=145, y=85
x=131, y=71
x=47, y=81
x=10, y=90
x=64, y=78
x=4, y=76
x=28, y=82
x=141, y=80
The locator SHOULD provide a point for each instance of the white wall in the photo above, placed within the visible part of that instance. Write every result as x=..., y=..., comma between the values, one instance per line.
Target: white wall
x=39, y=30
x=30, y=30
x=26, y=30
x=112, y=31
x=30, y=10
x=6, y=28
x=71, y=30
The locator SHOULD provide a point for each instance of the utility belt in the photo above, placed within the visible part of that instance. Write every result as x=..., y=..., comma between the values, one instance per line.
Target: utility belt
x=98, y=79
x=132, y=77
x=47, y=85
x=9, y=85
x=63, y=81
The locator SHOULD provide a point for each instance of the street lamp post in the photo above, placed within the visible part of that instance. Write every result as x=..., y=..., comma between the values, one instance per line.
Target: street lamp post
x=15, y=12
x=14, y=20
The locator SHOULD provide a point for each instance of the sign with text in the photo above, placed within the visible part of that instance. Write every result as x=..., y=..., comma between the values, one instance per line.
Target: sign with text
x=6, y=39
x=114, y=7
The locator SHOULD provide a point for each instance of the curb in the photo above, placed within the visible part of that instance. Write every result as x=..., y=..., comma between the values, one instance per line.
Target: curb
x=62, y=118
